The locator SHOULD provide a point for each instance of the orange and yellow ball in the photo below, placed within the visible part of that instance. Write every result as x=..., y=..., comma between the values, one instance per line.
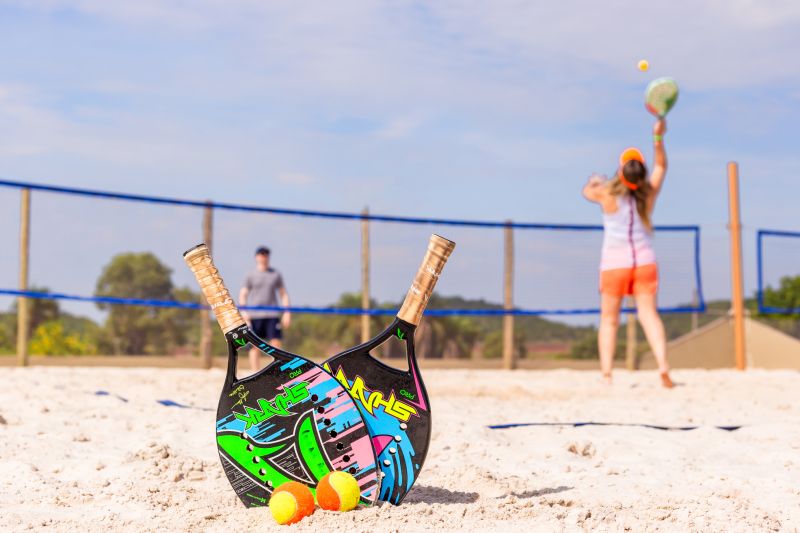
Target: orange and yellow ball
x=643, y=65
x=291, y=502
x=338, y=491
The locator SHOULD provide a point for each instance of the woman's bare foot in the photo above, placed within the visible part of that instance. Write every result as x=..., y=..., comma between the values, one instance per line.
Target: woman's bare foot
x=607, y=378
x=666, y=381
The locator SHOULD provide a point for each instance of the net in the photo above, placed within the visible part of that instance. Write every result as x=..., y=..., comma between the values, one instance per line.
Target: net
x=778, y=256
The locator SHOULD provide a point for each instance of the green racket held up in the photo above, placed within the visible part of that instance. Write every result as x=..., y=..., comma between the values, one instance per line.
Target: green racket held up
x=660, y=96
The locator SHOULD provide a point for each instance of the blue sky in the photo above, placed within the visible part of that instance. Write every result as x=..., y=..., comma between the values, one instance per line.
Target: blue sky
x=454, y=109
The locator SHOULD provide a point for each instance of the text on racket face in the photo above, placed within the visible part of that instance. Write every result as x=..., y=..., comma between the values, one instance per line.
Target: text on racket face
x=278, y=406
x=371, y=399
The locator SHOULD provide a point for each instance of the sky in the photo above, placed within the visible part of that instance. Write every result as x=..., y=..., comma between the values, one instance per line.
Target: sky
x=460, y=109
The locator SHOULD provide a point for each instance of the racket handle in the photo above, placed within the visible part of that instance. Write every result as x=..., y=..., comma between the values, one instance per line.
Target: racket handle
x=439, y=250
x=217, y=295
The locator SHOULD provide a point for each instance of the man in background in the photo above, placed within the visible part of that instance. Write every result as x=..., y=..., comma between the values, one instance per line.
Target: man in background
x=262, y=287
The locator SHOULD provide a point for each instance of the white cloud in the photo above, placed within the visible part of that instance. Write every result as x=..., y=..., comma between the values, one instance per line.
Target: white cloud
x=295, y=179
x=400, y=127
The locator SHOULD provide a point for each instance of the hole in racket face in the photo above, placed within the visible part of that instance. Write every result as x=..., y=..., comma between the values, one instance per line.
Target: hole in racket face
x=393, y=351
x=264, y=360
x=339, y=446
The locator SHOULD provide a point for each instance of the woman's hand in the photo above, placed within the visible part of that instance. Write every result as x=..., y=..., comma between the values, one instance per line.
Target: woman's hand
x=660, y=127
x=597, y=179
x=594, y=187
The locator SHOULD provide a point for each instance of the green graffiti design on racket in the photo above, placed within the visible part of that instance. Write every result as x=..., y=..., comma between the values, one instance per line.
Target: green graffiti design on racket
x=660, y=96
x=394, y=402
x=291, y=421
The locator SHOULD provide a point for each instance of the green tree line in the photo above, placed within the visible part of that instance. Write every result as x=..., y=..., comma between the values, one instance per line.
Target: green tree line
x=140, y=330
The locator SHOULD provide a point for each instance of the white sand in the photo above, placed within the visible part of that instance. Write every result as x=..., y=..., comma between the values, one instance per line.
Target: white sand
x=74, y=461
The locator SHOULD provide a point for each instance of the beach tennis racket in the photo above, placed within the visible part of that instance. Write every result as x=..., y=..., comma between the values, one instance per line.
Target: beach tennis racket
x=291, y=421
x=660, y=96
x=394, y=402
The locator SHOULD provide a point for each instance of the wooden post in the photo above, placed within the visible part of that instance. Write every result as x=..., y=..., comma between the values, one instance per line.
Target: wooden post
x=205, y=323
x=737, y=293
x=23, y=316
x=631, y=356
x=509, y=354
x=695, y=314
x=365, y=275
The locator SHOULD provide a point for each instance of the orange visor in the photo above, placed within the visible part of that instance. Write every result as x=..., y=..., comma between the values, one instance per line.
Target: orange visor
x=629, y=154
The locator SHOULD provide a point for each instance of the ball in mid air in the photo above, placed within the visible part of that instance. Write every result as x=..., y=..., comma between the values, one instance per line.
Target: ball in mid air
x=644, y=65
x=291, y=502
x=338, y=491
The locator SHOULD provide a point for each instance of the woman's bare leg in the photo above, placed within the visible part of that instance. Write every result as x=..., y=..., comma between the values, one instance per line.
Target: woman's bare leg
x=607, y=333
x=654, y=331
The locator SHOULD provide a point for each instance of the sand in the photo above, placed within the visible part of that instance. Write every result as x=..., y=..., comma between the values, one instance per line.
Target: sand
x=71, y=460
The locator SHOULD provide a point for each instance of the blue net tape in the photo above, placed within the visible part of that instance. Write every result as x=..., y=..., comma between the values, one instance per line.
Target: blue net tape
x=693, y=229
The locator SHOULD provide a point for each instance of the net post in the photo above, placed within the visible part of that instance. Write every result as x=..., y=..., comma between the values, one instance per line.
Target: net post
x=205, y=323
x=695, y=314
x=509, y=354
x=631, y=359
x=23, y=316
x=737, y=293
x=365, y=296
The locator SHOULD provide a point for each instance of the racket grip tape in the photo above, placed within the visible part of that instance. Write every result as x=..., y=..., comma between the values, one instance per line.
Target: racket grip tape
x=439, y=250
x=214, y=289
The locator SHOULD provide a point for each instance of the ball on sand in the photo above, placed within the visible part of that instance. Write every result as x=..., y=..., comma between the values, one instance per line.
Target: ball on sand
x=291, y=502
x=644, y=65
x=338, y=491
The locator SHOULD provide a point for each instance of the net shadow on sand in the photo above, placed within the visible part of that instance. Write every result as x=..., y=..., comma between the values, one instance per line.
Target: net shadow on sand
x=427, y=494
x=540, y=492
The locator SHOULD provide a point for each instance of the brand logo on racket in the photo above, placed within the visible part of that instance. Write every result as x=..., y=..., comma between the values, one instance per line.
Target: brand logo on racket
x=371, y=399
x=409, y=395
x=278, y=406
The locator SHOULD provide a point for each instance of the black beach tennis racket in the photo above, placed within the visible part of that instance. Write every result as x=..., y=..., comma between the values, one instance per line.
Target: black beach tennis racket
x=660, y=96
x=394, y=402
x=291, y=421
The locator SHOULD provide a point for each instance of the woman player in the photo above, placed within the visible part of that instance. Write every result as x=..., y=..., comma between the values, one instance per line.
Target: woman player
x=628, y=263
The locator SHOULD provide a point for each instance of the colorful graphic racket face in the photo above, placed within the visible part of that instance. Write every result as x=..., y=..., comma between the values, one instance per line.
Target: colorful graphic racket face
x=660, y=96
x=394, y=402
x=291, y=421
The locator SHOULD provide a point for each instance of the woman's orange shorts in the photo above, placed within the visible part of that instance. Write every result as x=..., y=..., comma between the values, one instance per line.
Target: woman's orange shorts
x=629, y=281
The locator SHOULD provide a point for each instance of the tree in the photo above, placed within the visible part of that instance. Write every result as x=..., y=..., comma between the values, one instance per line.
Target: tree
x=40, y=310
x=136, y=330
x=51, y=338
x=786, y=296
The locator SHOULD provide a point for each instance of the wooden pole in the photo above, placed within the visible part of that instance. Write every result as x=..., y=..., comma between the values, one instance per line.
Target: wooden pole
x=737, y=293
x=23, y=316
x=365, y=275
x=509, y=354
x=631, y=359
x=205, y=323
